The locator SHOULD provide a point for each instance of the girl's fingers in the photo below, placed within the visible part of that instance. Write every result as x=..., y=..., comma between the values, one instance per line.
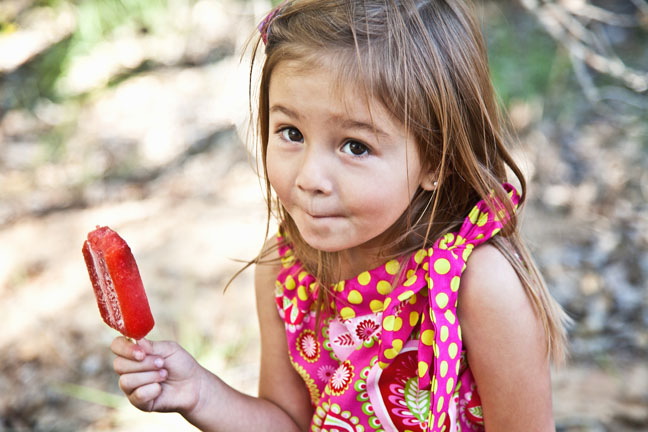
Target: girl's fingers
x=146, y=346
x=130, y=383
x=144, y=396
x=123, y=347
x=160, y=348
x=137, y=351
x=123, y=365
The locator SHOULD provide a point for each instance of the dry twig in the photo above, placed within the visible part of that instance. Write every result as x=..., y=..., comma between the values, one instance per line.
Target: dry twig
x=567, y=22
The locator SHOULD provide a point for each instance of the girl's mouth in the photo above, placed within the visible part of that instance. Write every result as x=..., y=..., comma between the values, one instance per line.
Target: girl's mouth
x=322, y=215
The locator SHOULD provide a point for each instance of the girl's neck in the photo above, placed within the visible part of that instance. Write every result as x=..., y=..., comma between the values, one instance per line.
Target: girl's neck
x=357, y=260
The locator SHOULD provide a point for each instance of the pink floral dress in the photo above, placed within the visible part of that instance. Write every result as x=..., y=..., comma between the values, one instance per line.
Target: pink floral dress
x=389, y=358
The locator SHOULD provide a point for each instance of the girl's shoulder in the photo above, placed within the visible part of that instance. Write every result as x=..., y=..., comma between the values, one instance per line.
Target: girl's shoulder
x=492, y=297
x=490, y=277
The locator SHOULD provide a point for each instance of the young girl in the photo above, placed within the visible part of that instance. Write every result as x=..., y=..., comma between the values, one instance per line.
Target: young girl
x=384, y=154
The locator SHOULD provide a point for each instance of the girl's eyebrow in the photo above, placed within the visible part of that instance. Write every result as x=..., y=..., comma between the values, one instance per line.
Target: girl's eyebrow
x=287, y=111
x=345, y=122
x=356, y=124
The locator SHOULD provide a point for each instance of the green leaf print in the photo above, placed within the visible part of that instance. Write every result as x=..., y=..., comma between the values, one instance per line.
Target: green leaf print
x=417, y=400
x=291, y=308
x=293, y=314
x=477, y=411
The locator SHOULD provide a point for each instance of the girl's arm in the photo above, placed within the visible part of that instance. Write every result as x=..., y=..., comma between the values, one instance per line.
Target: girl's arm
x=279, y=383
x=162, y=376
x=505, y=344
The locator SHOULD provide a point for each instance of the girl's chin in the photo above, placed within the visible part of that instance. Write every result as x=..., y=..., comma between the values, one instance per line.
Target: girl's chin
x=326, y=243
x=342, y=244
x=324, y=246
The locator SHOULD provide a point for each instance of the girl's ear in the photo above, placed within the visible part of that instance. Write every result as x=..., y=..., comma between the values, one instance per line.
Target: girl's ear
x=429, y=181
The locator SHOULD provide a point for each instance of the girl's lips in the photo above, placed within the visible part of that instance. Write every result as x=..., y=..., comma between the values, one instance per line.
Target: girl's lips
x=322, y=215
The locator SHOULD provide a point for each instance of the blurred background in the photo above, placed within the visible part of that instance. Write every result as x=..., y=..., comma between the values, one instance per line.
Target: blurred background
x=133, y=114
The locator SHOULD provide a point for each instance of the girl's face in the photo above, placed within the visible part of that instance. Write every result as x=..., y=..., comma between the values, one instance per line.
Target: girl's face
x=342, y=167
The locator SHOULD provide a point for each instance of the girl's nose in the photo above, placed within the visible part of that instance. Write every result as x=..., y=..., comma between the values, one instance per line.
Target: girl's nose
x=314, y=174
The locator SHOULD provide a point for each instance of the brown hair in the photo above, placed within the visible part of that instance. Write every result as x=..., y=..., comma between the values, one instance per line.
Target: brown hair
x=426, y=62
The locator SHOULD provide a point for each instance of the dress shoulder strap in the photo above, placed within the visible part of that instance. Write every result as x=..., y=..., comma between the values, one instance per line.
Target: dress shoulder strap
x=429, y=297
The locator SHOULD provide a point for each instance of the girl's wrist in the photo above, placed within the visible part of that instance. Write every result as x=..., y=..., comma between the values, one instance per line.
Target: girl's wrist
x=201, y=395
x=195, y=394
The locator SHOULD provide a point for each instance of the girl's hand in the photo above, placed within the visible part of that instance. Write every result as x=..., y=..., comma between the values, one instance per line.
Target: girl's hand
x=157, y=376
x=163, y=377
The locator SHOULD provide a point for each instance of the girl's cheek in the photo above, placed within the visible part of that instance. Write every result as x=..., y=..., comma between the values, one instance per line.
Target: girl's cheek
x=273, y=166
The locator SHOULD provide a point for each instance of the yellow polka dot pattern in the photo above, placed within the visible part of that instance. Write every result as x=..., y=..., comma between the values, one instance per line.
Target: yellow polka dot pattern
x=383, y=287
x=392, y=267
x=347, y=312
x=376, y=306
x=364, y=278
x=355, y=297
x=442, y=266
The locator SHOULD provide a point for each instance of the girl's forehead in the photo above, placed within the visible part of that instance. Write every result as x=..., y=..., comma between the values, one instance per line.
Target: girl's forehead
x=328, y=72
x=342, y=65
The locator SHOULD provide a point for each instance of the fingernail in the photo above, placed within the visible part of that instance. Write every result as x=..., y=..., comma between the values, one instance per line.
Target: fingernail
x=139, y=355
x=163, y=373
x=158, y=362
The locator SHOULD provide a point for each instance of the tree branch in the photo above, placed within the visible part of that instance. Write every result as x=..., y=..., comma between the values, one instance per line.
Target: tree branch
x=563, y=22
x=596, y=13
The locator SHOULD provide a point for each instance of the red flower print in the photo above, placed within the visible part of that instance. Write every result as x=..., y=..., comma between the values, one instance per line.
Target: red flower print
x=308, y=346
x=341, y=378
x=325, y=372
x=366, y=329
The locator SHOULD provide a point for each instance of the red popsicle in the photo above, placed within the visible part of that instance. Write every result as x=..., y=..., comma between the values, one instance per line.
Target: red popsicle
x=117, y=283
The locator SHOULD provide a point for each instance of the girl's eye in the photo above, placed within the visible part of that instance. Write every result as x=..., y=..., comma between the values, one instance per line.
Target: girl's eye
x=291, y=134
x=355, y=148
